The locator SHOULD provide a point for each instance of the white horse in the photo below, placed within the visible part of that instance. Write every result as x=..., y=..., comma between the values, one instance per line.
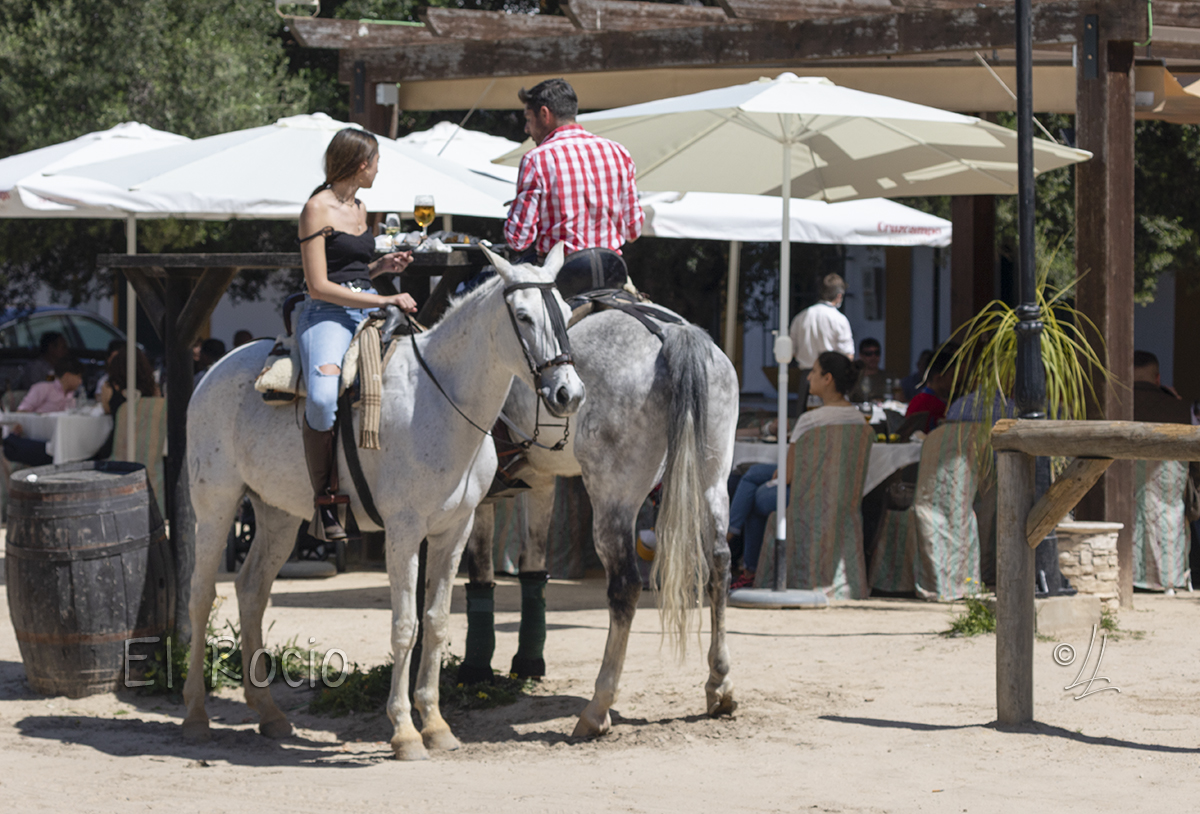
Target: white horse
x=432, y=470
x=655, y=410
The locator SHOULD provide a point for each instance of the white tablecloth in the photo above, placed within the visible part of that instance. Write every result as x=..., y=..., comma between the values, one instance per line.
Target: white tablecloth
x=885, y=458
x=69, y=436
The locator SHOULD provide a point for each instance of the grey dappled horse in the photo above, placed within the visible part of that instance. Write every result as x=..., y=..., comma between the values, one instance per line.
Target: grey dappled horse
x=432, y=470
x=655, y=410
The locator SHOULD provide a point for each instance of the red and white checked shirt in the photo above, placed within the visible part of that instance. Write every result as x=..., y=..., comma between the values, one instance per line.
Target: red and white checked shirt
x=578, y=188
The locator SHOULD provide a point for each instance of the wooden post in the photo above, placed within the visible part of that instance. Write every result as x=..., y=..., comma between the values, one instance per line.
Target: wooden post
x=1014, y=590
x=178, y=500
x=897, y=337
x=972, y=256
x=1104, y=258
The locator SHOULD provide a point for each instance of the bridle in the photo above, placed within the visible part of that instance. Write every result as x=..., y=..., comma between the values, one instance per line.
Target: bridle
x=564, y=357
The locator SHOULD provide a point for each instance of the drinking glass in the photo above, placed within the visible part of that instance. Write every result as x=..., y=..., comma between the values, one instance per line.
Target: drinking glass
x=423, y=212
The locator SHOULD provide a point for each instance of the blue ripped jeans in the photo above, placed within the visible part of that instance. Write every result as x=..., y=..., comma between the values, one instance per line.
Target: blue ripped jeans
x=325, y=331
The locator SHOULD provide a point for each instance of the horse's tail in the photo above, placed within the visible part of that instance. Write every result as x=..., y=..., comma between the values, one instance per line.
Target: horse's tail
x=680, y=565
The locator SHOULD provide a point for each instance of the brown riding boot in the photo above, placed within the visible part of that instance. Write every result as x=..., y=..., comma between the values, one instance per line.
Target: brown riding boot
x=318, y=453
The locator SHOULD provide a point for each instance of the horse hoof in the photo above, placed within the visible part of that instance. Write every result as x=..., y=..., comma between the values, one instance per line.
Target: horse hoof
x=722, y=704
x=409, y=750
x=196, y=731
x=277, y=729
x=440, y=740
x=587, y=728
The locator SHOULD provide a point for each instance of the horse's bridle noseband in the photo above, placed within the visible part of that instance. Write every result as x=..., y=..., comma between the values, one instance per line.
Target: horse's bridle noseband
x=556, y=323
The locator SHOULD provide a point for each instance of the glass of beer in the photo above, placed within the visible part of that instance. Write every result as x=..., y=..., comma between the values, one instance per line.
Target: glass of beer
x=423, y=212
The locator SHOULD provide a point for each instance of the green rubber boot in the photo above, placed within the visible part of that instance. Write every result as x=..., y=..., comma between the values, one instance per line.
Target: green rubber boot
x=531, y=639
x=476, y=665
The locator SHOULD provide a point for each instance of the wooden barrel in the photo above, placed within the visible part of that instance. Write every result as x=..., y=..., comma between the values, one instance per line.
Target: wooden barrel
x=87, y=568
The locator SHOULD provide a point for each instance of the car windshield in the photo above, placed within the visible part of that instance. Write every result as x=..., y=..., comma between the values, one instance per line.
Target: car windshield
x=29, y=332
x=94, y=335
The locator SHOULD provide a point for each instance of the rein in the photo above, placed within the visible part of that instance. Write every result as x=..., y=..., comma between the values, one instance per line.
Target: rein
x=563, y=358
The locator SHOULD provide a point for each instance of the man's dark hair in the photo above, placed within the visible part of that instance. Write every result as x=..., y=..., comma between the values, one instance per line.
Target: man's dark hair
x=869, y=342
x=1144, y=358
x=47, y=341
x=212, y=349
x=555, y=94
x=832, y=285
x=941, y=360
x=68, y=364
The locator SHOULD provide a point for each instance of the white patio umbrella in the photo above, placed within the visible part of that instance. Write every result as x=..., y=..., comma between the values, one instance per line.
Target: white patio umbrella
x=267, y=172
x=809, y=138
x=471, y=148
x=758, y=218
x=18, y=201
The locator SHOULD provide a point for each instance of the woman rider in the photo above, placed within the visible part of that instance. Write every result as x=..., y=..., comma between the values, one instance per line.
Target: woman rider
x=336, y=249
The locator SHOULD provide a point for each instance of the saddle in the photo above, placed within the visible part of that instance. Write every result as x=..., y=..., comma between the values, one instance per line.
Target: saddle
x=651, y=316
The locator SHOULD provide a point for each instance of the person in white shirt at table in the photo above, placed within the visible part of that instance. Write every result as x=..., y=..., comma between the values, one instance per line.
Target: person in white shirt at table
x=44, y=397
x=820, y=328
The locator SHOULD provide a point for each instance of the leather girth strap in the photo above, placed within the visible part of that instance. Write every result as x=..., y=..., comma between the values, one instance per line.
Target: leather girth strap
x=621, y=300
x=345, y=420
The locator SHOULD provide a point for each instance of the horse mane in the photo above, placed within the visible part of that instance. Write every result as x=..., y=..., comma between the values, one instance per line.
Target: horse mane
x=480, y=291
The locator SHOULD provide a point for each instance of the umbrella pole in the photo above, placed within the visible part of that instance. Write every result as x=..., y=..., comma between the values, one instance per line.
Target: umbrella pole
x=731, y=298
x=783, y=357
x=131, y=391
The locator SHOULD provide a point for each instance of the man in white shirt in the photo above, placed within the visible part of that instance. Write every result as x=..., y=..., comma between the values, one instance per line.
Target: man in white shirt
x=819, y=328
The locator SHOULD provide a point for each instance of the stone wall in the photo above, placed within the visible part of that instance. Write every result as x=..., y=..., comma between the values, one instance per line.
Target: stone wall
x=1087, y=555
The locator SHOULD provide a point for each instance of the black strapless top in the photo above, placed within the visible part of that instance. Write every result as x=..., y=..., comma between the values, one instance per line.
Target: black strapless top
x=346, y=255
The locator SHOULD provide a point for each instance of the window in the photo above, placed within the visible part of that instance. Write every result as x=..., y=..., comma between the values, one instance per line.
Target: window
x=36, y=326
x=94, y=334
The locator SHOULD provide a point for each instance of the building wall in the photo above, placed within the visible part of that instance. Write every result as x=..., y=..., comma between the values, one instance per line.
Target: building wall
x=1154, y=327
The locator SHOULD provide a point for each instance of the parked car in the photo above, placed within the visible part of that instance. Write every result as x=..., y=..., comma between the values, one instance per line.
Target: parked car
x=21, y=330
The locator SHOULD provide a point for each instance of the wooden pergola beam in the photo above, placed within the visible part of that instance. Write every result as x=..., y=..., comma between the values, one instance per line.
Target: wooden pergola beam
x=492, y=25
x=323, y=32
x=895, y=34
x=1127, y=440
x=626, y=15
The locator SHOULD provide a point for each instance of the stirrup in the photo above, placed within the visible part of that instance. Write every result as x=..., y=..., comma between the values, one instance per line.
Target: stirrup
x=326, y=526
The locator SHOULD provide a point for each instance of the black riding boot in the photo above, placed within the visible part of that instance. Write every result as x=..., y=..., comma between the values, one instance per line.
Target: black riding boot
x=318, y=452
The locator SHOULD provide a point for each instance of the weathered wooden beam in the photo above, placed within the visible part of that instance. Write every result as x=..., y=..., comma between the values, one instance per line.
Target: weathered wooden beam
x=804, y=9
x=1104, y=259
x=1080, y=475
x=324, y=32
x=1170, y=14
x=1128, y=440
x=201, y=302
x=626, y=15
x=744, y=43
x=1014, y=590
x=492, y=25
x=257, y=260
x=150, y=296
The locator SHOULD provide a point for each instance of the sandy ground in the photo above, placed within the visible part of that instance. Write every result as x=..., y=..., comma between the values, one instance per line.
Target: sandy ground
x=860, y=707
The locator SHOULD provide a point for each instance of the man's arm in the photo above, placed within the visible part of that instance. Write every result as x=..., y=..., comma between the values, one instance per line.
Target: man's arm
x=35, y=398
x=635, y=216
x=521, y=226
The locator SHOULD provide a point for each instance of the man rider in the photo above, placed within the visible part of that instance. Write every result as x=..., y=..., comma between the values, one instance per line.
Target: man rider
x=574, y=187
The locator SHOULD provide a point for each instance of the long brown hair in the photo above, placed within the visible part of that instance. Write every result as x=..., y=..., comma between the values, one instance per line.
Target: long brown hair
x=349, y=150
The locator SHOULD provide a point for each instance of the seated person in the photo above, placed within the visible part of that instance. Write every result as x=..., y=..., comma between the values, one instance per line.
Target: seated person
x=831, y=378
x=211, y=351
x=52, y=347
x=112, y=394
x=44, y=397
x=872, y=385
x=971, y=407
x=939, y=380
x=911, y=383
x=1152, y=401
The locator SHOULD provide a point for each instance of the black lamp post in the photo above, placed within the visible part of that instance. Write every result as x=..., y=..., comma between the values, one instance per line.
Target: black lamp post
x=1031, y=373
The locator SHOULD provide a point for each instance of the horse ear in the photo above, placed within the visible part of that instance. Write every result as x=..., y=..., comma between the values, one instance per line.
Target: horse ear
x=554, y=260
x=503, y=267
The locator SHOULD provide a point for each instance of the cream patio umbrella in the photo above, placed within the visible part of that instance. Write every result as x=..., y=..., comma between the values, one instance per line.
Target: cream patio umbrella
x=809, y=138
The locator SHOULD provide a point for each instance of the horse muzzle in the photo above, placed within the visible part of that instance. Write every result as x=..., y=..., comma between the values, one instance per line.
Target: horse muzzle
x=561, y=390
